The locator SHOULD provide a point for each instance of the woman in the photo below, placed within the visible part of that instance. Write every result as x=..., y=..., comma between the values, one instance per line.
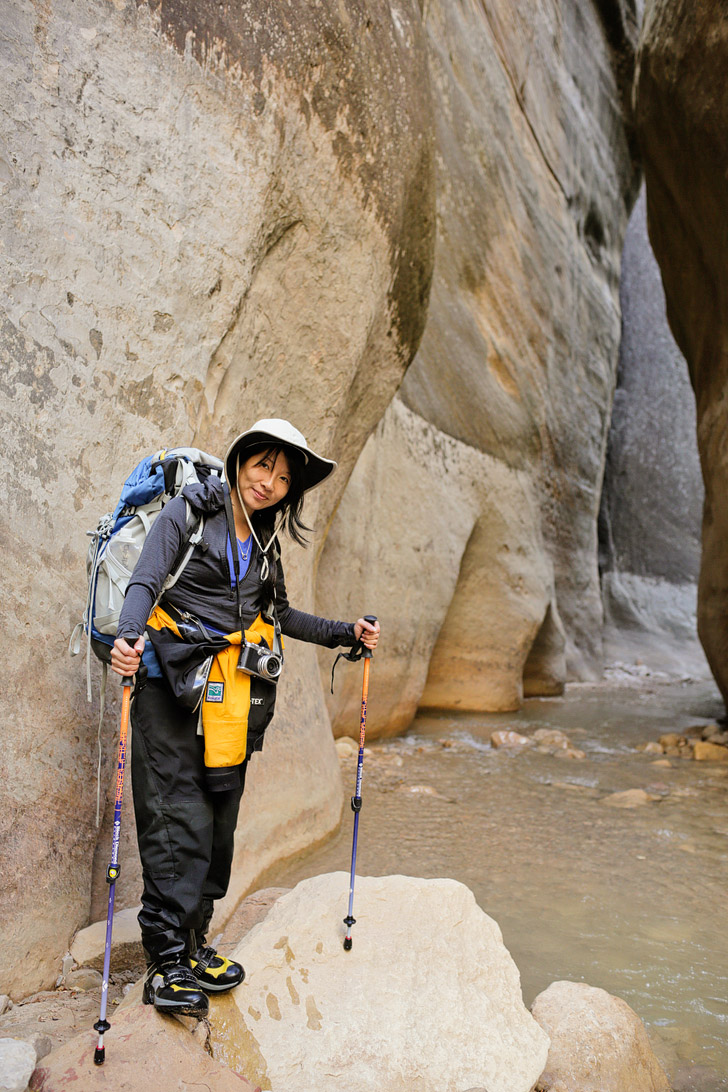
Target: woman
x=207, y=696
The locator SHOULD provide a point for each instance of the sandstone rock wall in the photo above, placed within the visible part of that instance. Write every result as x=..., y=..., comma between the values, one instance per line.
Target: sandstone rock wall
x=215, y=213
x=476, y=500
x=653, y=492
x=681, y=112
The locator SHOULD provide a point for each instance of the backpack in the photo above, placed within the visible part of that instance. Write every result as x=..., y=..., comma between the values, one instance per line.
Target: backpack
x=117, y=542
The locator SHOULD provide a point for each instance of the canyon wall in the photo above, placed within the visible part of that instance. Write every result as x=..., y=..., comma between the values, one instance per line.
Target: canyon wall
x=213, y=214
x=649, y=528
x=681, y=111
x=473, y=507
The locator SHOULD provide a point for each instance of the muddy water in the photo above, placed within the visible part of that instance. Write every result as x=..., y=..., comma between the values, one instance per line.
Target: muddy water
x=632, y=900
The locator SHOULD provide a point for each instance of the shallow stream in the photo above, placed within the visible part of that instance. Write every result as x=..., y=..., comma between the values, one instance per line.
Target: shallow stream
x=632, y=900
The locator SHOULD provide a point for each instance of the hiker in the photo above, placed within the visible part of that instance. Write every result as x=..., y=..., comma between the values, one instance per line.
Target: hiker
x=201, y=707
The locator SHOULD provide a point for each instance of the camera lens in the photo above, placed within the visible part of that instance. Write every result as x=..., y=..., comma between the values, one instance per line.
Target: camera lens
x=270, y=666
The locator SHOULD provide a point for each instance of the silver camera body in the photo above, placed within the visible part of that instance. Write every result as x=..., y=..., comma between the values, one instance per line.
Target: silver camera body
x=259, y=660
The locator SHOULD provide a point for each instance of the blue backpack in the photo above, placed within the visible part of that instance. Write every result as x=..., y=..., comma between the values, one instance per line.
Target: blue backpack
x=117, y=542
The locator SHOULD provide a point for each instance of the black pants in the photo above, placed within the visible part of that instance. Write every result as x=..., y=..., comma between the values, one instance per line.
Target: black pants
x=185, y=832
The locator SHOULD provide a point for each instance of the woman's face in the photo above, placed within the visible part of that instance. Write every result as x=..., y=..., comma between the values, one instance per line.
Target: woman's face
x=263, y=480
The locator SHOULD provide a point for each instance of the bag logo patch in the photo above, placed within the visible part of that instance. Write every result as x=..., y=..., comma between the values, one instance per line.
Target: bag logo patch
x=215, y=691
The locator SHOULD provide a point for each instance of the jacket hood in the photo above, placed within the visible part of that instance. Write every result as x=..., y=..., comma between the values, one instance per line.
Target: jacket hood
x=207, y=496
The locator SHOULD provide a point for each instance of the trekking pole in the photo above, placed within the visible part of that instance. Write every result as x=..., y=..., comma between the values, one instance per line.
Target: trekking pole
x=356, y=800
x=102, y=1025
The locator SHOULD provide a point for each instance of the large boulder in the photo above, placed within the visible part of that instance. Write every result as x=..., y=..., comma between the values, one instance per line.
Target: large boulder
x=470, y=522
x=427, y=997
x=597, y=1041
x=682, y=114
x=218, y=213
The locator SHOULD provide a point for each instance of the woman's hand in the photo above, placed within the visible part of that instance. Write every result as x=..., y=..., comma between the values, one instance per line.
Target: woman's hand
x=124, y=658
x=366, y=632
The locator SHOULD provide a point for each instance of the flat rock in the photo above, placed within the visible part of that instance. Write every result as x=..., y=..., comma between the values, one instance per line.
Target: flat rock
x=509, y=739
x=144, y=1050
x=597, y=1042
x=706, y=751
x=126, y=943
x=427, y=997
x=629, y=798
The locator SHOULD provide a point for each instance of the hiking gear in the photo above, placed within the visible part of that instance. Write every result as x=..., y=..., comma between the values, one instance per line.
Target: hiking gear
x=102, y=1025
x=278, y=432
x=174, y=989
x=120, y=535
x=358, y=652
x=185, y=832
x=116, y=546
x=214, y=972
x=202, y=671
x=205, y=588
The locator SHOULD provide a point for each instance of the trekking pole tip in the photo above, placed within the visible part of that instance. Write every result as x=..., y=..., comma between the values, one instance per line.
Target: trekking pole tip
x=99, y=1055
x=347, y=944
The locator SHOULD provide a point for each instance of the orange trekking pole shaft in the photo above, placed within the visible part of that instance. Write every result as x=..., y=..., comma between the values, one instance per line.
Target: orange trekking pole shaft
x=356, y=800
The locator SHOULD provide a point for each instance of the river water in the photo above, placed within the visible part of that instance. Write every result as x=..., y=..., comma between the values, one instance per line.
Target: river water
x=631, y=900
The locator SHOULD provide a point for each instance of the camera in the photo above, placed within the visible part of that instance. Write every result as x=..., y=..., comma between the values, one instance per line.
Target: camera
x=259, y=660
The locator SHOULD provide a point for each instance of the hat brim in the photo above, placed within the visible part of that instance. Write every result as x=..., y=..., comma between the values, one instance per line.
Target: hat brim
x=315, y=469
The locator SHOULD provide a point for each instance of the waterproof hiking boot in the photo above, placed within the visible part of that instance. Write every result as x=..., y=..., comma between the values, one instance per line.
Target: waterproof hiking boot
x=214, y=972
x=174, y=989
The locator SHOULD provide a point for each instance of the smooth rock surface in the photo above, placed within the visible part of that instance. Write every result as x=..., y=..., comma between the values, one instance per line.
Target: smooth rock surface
x=428, y=997
x=144, y=1050
x=682, y=121
x=17, y=1062
x=597, y=1042
x=651, y=507
x=218, y=214
x=483, y=479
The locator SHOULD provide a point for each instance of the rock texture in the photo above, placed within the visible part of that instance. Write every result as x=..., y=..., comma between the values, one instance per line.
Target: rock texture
x=428, y=997
x=470, y=522
x=143, y=1050
x=597, y=1041
x=682, y=106
x=217, y=213
x=653, y=492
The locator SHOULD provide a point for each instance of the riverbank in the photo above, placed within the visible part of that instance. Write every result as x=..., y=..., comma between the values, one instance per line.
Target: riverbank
x=628, y=898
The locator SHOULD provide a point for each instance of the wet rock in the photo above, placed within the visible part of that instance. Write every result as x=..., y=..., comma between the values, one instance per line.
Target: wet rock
x=454, y=1020
x=17, y=1062
x=551, y=737
x=509, y=739
x=651, y=748
x=706, y=751
x=670, y=739
x=146, y=1050
x=597, y=1042
x=715, y=734
x=630, y=798
x=570, y=752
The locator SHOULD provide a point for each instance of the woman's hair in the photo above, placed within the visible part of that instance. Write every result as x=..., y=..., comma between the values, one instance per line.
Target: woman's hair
x=292, y=504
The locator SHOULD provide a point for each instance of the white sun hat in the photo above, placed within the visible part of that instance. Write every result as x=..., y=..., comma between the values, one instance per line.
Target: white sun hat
x=279, y=432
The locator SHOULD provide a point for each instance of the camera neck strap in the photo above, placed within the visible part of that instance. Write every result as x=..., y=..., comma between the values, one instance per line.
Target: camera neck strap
x=269, y=612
